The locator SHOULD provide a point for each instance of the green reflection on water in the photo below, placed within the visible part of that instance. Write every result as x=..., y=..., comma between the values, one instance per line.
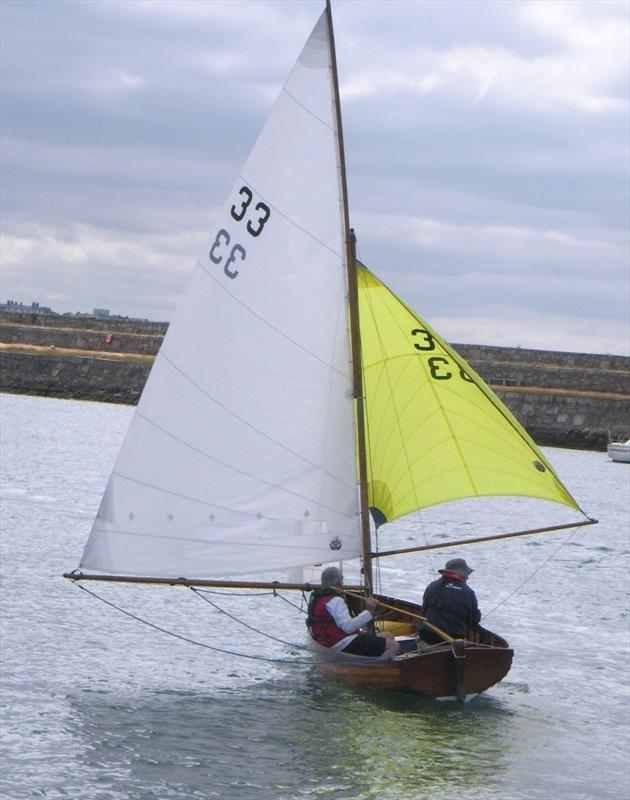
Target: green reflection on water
x=386, y=744
x=303, y=738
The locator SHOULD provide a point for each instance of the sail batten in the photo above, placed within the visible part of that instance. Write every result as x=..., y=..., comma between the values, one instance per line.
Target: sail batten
x=312, y=502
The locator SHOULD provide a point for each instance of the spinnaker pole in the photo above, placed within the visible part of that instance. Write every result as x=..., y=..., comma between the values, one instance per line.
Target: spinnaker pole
x=353, y=310
x=477, y=539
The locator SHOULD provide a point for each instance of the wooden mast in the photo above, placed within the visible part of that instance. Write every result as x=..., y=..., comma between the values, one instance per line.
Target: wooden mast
x=355, y=335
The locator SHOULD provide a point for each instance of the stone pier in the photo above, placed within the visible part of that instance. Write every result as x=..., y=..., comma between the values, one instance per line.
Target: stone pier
x=564, y=399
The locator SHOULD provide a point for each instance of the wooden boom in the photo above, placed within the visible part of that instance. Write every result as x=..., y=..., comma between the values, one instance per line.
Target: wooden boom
x=305, y=587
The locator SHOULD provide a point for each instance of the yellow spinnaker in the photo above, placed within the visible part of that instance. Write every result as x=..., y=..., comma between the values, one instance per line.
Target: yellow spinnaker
x=435, y=431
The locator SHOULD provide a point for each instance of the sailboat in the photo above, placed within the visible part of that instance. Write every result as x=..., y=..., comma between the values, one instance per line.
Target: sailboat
x=619, y=451
x=295, y=396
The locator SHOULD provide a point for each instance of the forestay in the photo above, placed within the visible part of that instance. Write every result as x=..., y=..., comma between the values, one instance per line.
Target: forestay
x=240, y=456
x=435, y=431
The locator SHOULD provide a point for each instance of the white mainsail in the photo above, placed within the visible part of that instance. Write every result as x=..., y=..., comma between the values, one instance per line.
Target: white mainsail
x=240, y=456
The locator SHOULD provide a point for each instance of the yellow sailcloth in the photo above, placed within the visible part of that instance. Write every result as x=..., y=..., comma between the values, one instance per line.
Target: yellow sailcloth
x=434, y=430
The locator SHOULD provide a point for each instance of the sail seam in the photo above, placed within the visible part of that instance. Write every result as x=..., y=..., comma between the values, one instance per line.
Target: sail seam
x=272, y=327
x=429, y=383
x=239, y=545
x=481, y=413
x=391, y=393
x=308, y=110
x=400, y=413
x=504, y=453
x=265, y=436
x=507, y=415
x=182, y=496
x=476, y=491
x=288, y=219
x=234, y=469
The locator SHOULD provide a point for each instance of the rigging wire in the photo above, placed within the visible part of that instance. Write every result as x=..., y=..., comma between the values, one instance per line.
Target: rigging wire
x=300, y=608
x=298, y=662
x=237, y=594
x=275, y=593
x=200, y=594
x=530, y=576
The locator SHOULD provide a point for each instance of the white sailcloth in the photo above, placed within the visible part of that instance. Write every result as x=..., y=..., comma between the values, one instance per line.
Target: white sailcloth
x=240, y=456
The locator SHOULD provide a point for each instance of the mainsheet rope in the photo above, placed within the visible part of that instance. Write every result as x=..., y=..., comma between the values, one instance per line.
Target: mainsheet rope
x=201, y=594
x=275, y=593
x=298, y=662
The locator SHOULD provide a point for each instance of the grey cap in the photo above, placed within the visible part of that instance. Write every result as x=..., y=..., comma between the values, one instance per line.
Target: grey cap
x=458, y=566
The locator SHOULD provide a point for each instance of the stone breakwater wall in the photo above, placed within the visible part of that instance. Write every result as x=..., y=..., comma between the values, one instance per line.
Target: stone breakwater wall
x=82, y=333
x=75, y=377
x=80, y=339
x=83, y=322
x=548, y=369
x=562, y=399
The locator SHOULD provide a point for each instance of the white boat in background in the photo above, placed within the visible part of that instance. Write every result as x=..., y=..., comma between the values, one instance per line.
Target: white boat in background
x=619, y=451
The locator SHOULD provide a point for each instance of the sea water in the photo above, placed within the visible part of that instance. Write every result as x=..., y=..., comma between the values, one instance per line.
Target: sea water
x=97, y=705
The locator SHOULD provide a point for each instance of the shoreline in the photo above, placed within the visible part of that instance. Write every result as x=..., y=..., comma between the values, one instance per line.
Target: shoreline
x=576, y=400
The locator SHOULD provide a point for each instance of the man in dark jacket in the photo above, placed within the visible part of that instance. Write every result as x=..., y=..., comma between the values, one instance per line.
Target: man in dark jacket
x=450, y=604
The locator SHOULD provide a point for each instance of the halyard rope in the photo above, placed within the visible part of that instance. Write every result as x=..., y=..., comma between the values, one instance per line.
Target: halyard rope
x=298, y=662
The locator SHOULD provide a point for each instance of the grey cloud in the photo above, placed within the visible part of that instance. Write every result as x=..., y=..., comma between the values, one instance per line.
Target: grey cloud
x=124, y=125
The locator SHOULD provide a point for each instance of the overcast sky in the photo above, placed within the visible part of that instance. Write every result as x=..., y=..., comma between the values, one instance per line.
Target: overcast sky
x=487, y=149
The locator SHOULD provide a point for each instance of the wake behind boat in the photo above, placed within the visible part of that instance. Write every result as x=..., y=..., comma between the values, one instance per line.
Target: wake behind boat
x=318, y=397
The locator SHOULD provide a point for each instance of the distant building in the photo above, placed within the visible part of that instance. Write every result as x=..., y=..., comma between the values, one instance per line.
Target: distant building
x=34, y=308
x=15, y=307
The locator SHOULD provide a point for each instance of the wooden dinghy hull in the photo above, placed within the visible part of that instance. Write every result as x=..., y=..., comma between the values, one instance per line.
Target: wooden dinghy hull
x=460, y=670
x=435, y=672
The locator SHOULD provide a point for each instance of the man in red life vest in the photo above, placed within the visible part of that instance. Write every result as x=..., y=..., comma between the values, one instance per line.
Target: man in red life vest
x=331, y=625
